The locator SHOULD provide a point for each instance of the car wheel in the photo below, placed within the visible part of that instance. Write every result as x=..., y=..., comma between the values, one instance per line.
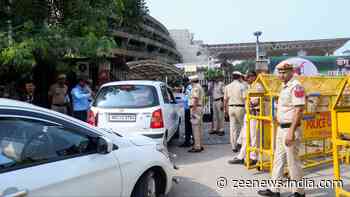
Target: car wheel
x=146, y=186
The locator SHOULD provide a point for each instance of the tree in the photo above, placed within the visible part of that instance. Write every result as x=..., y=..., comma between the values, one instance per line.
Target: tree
x=45, y=32
x=245, y=66
x=55, y=29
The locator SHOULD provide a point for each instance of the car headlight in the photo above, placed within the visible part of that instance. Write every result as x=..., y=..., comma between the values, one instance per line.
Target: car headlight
x=163, y=149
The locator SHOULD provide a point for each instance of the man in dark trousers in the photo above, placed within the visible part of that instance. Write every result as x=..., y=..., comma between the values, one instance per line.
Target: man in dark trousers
x=188, y=125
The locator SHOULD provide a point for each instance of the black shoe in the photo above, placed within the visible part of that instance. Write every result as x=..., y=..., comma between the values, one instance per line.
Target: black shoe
x=220, y=133
x=235, y=150
x=268, y=192
x=185, y=145
x=194, y=150
x=236, y=161
x=239, y=146
x=253, y=162
x=213, y=132
x=296, y=194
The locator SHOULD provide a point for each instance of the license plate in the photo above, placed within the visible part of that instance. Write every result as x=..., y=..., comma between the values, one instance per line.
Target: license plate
x=122, y=118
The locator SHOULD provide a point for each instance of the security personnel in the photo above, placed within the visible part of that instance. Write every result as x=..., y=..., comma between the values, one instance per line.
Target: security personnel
x=254, y=109
x=58, y=95
x=289, y=114
x=196, y=106
x=218, y=107
x=234, y=107
x=188, y=125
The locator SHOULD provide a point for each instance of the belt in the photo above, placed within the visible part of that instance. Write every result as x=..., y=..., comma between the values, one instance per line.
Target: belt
x=196, y=106
x=236, y=105
x=219, y=99
x=59, y=105
x=285, y=125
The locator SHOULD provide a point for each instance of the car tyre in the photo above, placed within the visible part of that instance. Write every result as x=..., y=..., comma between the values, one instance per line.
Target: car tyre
x=147, y=186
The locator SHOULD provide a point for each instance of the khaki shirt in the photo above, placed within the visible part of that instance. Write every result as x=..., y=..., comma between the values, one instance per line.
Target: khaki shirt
x=292, y=94
x=235, y=93
x=254, y=101
x=218, y=91
x=197, y=92
x=58, y=94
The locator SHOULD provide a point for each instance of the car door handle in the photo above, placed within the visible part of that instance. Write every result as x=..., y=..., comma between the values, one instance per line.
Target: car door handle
x=17, y=193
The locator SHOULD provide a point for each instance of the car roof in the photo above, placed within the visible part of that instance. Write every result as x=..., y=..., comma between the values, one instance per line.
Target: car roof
x=4, y=102
x=134, y=82
x=10, y=103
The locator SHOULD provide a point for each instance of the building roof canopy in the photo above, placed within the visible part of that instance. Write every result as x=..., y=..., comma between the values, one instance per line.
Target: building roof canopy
x=152, y=70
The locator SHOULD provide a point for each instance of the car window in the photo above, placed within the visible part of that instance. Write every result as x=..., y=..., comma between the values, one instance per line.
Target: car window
x=25, y=142
x=171, y=95
x=165, y=94
x=127, y=96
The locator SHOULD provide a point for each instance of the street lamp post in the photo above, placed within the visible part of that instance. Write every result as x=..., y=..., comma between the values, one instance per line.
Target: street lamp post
x=257, y=34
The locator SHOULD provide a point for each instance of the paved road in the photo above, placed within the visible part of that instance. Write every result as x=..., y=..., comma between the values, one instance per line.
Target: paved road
x=199, y=172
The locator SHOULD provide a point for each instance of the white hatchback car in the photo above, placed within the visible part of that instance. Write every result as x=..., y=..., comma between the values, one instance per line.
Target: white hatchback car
x=45, y=153
x=145, y=107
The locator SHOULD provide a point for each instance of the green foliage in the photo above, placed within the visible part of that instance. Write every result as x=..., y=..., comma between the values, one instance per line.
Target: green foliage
x=50, y=30
x=245, y=66
x=211, y=74
x=130, y=12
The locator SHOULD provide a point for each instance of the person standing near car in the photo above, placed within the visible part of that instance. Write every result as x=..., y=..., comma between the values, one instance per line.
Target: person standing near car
x=218, y=106
x=196, y=106
x=291, y=103
x=58, y=95
x=29, y=94
x=81, y=96
x=234, y=107
x=188, y=126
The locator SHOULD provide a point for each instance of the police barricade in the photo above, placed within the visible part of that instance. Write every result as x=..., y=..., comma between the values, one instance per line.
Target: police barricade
x=341, y=134
x=316, y=124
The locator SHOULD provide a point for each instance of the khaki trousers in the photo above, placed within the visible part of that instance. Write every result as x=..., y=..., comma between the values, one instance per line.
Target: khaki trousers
x=218, y=116
x=253, y=140
x=61, y=109
x=236, y=122
x=197, y=126
x=287, y=155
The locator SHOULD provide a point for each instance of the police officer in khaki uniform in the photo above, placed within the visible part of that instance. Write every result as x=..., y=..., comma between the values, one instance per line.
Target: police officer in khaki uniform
x=196, y=107
x=218, y=107
x=234, y=107
x=254, y=109
x=289, y=114
x=58, y=95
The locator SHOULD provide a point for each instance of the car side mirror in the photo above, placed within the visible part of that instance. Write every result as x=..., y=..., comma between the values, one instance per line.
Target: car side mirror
x=104, y=145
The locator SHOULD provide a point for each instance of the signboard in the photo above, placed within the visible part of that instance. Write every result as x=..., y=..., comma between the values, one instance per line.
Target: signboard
x=317, y=125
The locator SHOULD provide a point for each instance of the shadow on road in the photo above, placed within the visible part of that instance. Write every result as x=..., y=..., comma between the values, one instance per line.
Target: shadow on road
x=188, y=187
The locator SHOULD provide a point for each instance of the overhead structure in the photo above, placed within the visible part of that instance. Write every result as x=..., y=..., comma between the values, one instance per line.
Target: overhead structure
x=152, y=70
x=241, y=51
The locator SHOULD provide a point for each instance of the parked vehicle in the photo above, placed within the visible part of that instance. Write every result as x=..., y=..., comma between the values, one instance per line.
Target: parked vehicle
x=45, y=153
x=145, y=107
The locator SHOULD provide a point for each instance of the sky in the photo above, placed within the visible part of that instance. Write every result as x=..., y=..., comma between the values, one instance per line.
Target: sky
x=234, y=21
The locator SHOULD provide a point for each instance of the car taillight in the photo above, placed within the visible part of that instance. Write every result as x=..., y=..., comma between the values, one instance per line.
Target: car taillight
x=157, y=119
x=92, y=118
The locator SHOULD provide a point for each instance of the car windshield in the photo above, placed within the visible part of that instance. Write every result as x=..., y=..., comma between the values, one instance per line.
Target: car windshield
x=127, y=96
